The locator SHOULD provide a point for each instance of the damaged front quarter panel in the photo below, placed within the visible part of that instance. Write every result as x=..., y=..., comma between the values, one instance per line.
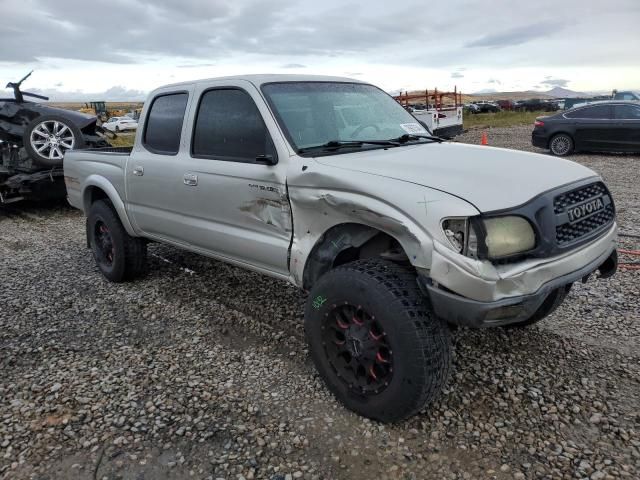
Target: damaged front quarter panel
x=352, y=207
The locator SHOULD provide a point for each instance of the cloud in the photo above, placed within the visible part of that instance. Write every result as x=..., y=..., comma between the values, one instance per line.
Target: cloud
x=162, y=36
x=196, y=65
x=516, y=36
x=113, y=94
x=494, y=81
x=31, y=30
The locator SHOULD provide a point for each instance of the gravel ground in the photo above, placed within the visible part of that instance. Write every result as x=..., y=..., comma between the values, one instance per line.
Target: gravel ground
x=200, y=370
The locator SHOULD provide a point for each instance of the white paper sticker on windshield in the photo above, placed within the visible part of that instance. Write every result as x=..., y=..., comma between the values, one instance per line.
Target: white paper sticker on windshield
x=412, y=128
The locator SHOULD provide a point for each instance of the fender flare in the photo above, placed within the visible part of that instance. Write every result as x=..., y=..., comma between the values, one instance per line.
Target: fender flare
x=97, y=181
x=334, y=241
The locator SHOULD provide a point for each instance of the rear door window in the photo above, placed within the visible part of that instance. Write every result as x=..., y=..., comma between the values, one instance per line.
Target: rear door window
x=230, y=127
x=164, y=123
x=626, y=112
x=595, y=113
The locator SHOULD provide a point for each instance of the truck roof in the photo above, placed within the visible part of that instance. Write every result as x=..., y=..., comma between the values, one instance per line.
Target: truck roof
x=260, y=79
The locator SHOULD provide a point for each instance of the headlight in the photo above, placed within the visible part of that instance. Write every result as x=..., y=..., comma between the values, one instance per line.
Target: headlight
x=494, y=238
x=508, y=235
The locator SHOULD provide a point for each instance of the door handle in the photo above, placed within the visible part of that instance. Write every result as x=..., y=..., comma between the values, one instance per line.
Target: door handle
x=190, y=179
x=139, y=171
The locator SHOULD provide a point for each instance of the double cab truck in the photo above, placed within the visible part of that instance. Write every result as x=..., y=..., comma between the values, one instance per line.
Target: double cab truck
x=330, y=184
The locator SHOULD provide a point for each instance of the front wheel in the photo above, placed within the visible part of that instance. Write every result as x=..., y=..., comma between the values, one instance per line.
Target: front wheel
x=118, y=255
x=561, y=145
x=375, y=341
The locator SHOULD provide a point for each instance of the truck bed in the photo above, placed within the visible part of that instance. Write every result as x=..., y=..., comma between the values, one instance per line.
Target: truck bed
x=105, y=164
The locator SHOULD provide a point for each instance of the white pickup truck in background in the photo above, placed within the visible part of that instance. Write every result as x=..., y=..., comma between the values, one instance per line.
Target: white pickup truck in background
x=440, y=112
x=330, y=184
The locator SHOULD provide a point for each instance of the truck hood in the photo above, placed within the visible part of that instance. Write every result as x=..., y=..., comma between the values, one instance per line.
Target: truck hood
x=489, y=178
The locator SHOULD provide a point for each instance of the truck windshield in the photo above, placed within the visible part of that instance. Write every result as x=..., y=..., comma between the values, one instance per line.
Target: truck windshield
x=327, y=116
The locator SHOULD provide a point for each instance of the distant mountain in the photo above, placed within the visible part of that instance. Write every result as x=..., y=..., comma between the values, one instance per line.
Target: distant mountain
x=492, y=96
x=484, y=91
x=556, y=92
x=560, y=92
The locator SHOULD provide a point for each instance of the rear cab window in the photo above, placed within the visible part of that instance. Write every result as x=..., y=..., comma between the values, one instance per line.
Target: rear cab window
x=163, y=127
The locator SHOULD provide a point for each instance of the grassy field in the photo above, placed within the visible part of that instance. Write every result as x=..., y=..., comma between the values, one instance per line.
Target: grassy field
x=501, y=119
x=122, y=140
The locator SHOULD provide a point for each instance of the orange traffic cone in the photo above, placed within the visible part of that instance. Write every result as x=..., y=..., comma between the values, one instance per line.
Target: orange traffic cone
x=484, y=140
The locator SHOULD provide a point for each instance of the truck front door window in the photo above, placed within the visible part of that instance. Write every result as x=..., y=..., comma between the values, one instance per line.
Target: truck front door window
x=164, y=123
x=229, y=127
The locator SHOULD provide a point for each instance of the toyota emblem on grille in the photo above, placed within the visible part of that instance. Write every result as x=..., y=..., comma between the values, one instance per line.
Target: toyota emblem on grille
x=580, y=211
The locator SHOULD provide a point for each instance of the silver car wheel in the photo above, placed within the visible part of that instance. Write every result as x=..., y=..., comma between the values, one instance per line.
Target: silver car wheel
x=560, y=145
x=51, y=139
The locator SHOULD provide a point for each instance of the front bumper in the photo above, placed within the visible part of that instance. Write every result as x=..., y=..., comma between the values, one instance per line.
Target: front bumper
x=474, y=293
x=472, y=313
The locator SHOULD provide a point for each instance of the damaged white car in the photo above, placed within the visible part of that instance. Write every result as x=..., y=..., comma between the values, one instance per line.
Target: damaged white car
x=330, y=184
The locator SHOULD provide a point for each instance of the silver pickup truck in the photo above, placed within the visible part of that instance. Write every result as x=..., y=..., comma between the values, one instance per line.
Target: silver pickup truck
x=330, y=184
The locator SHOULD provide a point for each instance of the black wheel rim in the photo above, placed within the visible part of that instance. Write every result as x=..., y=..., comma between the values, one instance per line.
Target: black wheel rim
x=104, y=244
x=357, y=348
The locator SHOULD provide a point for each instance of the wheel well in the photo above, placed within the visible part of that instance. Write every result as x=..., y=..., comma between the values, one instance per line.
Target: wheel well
x=92, y=195
x=346, y=243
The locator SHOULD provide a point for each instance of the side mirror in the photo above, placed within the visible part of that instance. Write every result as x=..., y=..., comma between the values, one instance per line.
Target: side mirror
x=266, y=159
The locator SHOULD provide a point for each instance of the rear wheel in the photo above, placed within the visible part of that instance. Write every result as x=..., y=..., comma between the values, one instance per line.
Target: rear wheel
x=118, y=255
x=374, y=340
x=561, y=144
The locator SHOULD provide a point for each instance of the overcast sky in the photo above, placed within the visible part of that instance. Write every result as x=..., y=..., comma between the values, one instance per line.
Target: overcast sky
x=124, y=48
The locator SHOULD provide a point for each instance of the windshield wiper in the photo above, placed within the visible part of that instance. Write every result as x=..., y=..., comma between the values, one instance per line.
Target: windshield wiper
x=407, y=137
x=337, y=144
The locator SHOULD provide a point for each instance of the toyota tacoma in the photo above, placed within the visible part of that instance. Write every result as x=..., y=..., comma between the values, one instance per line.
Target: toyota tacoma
x=330, y=184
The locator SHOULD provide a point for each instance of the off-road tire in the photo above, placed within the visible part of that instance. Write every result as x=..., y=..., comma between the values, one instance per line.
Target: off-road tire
x=40, y=159
x=129, y=253
x=420, y=342
x=564, y=140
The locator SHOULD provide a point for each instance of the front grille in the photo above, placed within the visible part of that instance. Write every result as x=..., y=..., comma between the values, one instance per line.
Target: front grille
x=568, y=232
x=579, y=195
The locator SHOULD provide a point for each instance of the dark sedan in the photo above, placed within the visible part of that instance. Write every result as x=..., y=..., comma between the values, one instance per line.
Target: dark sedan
x=603, y=126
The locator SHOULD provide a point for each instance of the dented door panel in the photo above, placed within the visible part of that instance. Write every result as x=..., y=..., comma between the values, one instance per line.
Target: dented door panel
x=237, y=210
